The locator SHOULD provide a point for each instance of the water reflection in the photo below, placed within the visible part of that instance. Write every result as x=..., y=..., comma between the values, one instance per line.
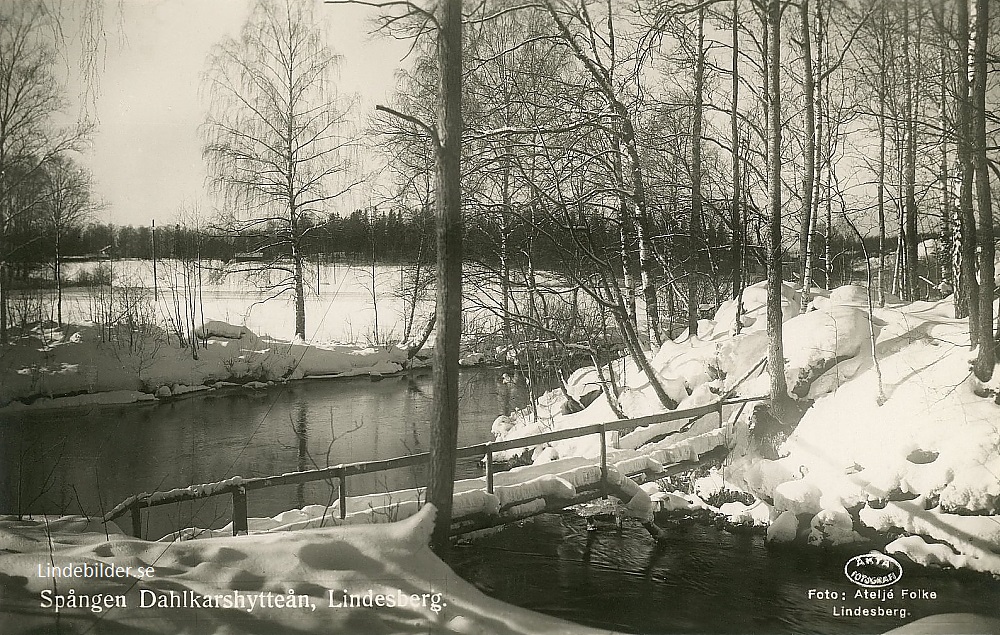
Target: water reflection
x=86, y=461
x=696, y=579
x=302, y=434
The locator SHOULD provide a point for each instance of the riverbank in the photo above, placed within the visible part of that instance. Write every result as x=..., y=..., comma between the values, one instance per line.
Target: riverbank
x=82, y=364
x=908, y=447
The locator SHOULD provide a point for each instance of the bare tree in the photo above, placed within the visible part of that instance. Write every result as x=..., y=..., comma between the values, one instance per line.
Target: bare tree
x=807, y=227
x=274, y=137
x=68, y=204
x=448, y=184
x=30, y=95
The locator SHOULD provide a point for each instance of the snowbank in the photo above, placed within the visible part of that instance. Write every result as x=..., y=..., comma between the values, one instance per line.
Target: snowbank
x=84, y=362
x=928, y=445
x=377, y=578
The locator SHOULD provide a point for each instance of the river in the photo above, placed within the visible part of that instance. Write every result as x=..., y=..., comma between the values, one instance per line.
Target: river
x=700, y=580
x=86, y=460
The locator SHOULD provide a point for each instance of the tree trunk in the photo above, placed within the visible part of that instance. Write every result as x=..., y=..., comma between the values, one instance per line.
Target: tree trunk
x=631, y=338
x=882, y=96
x=4, y=295
x=967, y=225
x=505, y=216
x=912, y=85
x=300, y=298
x=775, y=352
x=58, y=274
x=946, y=251
x=444, y=428
x=626, y=228
x=735, y=220
x=986, y=358
x=695, y=230
x=413, y=346
x=809, y=154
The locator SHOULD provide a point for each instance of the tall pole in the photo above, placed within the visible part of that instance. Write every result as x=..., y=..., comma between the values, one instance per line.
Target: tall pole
x=152, y=240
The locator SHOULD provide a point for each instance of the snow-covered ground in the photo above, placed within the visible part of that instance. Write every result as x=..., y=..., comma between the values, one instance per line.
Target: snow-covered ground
x=921, y=460
x=248, y=339
x=339, y=306
x=76, y=361
x=351, y=580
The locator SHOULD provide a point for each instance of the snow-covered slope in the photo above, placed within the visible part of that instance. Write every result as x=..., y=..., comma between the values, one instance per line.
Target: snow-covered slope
x=922, y=457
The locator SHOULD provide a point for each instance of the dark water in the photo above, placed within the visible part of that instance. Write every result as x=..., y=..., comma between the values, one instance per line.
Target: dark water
x=700, y=581
x=88, y=460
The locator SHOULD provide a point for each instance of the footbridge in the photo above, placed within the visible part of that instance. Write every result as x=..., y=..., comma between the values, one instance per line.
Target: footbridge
x=498, y=496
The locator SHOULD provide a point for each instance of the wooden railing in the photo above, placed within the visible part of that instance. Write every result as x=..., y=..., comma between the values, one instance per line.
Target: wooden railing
x=238, y=487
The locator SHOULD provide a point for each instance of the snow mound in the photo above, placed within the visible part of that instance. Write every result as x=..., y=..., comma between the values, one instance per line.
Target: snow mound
x=912, y=427
x=218, y=328
x=300, y=581
x=818, y=340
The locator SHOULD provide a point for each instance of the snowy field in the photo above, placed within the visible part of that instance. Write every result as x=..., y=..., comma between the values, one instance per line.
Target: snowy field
x=248, y=339
x=339, y=309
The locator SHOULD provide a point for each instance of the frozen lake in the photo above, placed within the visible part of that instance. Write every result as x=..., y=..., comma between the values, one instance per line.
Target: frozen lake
x=339, y=299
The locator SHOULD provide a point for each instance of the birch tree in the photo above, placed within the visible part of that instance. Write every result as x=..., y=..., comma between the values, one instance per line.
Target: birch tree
x=275, y=139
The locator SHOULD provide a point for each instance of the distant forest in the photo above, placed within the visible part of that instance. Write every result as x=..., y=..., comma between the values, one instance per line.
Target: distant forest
x=391, y=236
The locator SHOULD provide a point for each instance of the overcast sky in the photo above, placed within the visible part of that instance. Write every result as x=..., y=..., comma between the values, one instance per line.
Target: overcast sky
x=146, y=153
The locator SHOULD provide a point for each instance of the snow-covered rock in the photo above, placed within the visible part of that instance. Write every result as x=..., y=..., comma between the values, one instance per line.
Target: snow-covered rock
x=784, y=528
x=798, y=497
x=218, y=328
x=816, y=340
x=832, y=527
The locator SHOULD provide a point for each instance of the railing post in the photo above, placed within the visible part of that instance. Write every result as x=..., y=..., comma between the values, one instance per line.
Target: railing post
x=136, y=521
x=240, y=523
x=489, y=468
x=604, y=459
x=342, y=495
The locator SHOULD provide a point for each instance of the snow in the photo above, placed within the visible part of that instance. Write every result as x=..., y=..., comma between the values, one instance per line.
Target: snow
x=818, y=339
x=218, y=328
x=784, y=528
x=974, y=538
x=247, y=337
x=931, y=436
x=832, y=527
x=949, y=623
x=106, y=373
x=856, y=455
x=286, y=582
x=798, y=497
x=759, y=514
x=920, y=459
